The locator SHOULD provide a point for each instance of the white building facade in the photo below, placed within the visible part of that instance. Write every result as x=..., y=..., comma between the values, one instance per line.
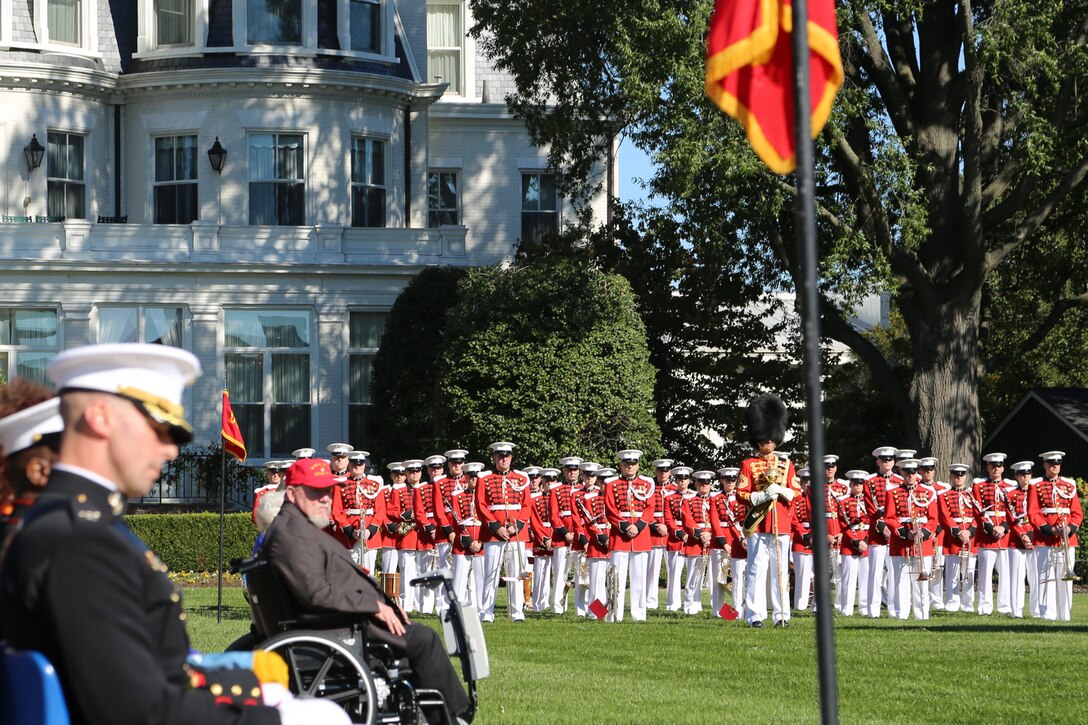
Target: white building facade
x=252, y=180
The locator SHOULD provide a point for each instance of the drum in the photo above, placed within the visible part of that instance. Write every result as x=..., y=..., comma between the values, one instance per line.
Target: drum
x=527, y=584
x=391, y=582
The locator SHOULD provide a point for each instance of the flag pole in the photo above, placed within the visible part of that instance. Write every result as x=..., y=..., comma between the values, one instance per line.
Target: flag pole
x=806, y=240
x=222, y=513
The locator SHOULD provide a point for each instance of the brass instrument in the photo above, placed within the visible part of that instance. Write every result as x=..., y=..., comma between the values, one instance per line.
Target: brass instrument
x=583, y=569
x=1067, y=552
x=611, y=591
x=964, y=578
x=775, y=474
x=407, y=525
x=725, y=568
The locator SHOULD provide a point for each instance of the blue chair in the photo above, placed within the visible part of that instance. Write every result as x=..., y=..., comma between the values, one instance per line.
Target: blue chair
x=30, y=691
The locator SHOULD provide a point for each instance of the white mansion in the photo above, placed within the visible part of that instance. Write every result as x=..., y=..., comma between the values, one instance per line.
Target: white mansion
x=252, y=180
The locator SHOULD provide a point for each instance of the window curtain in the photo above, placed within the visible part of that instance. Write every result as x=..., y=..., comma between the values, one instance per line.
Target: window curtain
x=291, y=378
x=63, y=18
x=274, y=22
x=36, y=328
x=118, y=324
x=366, y=329
x=174, y=18
x=162, y=326
x=359, y=384
x=445, y=37
x=365, y=25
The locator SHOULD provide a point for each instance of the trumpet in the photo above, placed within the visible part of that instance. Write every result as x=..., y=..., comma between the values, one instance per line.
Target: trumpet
x=704, y=567
x=1067, y=552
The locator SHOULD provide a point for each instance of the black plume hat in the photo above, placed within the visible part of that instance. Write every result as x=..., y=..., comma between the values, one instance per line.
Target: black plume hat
x=767, y=419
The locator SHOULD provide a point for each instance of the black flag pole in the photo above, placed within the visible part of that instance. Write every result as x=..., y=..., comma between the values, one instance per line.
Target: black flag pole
x=806, y=242
x=222, y=514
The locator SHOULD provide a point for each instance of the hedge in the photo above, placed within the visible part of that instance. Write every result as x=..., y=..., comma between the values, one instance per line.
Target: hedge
x=190, y=542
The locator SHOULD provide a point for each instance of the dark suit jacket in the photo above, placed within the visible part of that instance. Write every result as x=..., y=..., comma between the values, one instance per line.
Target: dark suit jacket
x=319, y=571
x=79, y=587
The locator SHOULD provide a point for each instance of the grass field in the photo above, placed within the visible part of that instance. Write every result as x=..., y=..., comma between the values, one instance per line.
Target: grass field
x=955, y=668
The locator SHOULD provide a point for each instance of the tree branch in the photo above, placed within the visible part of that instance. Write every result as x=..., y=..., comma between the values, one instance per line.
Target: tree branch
x=971, y=143
x=895, y=98
x=1039, y=334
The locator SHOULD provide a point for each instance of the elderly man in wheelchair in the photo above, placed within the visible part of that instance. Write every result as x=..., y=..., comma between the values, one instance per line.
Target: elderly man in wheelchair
x=341, y=636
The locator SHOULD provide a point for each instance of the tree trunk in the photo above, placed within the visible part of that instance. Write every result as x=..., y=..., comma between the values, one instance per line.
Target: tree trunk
x=944, y=389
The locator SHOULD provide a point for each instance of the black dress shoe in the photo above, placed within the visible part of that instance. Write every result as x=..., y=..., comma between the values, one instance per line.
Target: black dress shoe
x=784, y=624
x=756, y=624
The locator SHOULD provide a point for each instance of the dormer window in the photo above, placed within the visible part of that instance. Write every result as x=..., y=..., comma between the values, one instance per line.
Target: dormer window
x=64, y=19
x=365, y=25
x=274, y=22
x=174, y=22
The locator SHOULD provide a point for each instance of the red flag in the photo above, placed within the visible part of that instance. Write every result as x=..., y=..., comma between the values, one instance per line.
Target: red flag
x=749, y=71
x=727, y=612
x=232, y=434
x=600, y=611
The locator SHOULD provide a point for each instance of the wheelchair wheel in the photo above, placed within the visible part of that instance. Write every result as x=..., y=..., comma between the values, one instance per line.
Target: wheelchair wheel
x=321, y=666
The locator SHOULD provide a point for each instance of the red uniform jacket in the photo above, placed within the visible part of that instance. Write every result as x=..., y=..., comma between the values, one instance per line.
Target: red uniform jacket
x=540, y=525
x=956, y=510
x=1051, y=503
x=442, y=491
x=876, y=487
x=502, y=499
x=402, y=509
x=801, y=515
x=1017, y=500
x=752, y=478
x=561, y=512
x=854, y=521
x=906, y=508
x=423, y=504
x=725, y=524
x=696, y=515
x=659, y=517
x=629, y=502
x=361, y=505
x=995, y=512
x=671, y=502
x=592, y=522
x=466, y=525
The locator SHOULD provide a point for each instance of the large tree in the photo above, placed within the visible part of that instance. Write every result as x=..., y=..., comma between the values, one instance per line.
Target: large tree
x=957, y=140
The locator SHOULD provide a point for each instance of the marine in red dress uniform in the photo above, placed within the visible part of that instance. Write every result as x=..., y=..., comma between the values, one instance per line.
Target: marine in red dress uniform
x=1055, y=512
x=629, y=506
x=594, y=526
x=911, y=516
x=502, y=502
x=695, y=513
x=956, y=510
x=853, y=528
x=671, y=500
x=879, y=534
x=993, y=535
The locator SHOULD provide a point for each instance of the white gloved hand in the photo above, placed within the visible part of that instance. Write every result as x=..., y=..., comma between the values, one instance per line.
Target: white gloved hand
x=787, y=493
x=303, y=711
x=758, y=498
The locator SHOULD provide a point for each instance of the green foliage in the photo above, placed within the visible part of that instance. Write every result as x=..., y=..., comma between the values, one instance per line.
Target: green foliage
x=551, y=356
x=190, y=542
x=406, y=367
x=202, y=466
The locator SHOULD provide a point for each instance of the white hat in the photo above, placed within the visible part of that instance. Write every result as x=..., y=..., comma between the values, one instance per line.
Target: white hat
x=997, y=459
x=606, y=472
x=885, y=451
x=663, y=463
x=533, y=471
x=909, y=464
x=151, y=376
x=502, y=447
x=473, y=468
x=1022, y=466
x=357, y=456
x=857, y=474
x=434, y=461
x=28, y=427
x=782, y=455
x=629, y=455
x=958, y=468
x=927, y=461
x=804, y=473
x=455, y=453
x=549, y=472
x=831, y=460
x=904, y=453
x=703, y=476
x=395, y=467
x=272, y=466
x=338, y=449
x=728, y=472
x=303, y=453
x=681, y=471
x=1052, y=456
x=416, y=463
x=570, y=462
x=589, y=468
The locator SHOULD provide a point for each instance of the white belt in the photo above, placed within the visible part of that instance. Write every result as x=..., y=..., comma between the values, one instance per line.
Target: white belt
x=428, y=515
x=831, y=516
x=631, y=514
x=354, y=512
x=991, y=514
x=546, y=524
x=602, y=527
x=506, y=507
x=470, y=522
x=908, y=519
x=964, y=520
x=1060, y=510
x=659, y=514
x=806, y=524
x=564, y=513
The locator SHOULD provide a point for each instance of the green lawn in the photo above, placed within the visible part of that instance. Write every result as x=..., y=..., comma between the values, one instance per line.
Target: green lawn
x=956, y=668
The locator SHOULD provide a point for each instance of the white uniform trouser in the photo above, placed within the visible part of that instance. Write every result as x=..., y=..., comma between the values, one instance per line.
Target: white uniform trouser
x=653, y=576
x=853, y=581
x=674, y=565
x=364, y=557
x=409, y=569
x=493, y=562
x=468, y=578
x=762, y=553
x=598, y=570
x=874, y=582
x=802, y=579
x=1021, y=568
x=740, y=581
x=936, y=584
x=693, y=587
x=1055, y=595
x=561, y=559
x=988, y=561
x=910, y=593
x=958, y=598
x=631, y=564
x=717, y=590
x=445, y=561
x=542, y=582
x=390, y=560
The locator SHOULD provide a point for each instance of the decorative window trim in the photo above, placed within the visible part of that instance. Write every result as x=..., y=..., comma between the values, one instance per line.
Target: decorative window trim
x=147, y=31
x=468, y=56
x=306, y=167
x=153, y=182
x=88, y=27
x=458, y=208
x=385, y=140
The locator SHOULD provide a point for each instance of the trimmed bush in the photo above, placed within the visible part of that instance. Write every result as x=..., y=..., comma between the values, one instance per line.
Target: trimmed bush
x=190, y=542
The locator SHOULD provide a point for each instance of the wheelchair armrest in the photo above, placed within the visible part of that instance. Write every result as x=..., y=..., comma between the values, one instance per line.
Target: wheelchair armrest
x=323, y=620
x=434, y=578
x=244, y=566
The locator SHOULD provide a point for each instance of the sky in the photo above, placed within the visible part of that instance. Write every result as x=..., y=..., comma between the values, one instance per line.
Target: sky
x=633, y=164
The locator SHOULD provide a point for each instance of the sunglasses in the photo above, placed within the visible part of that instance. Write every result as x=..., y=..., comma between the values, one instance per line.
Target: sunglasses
x=958, y=473
x=455, y=460
x=435, y=465
x=358, y=463
x=339, y=455
x=928, y=468
x=683, y=477
x=413, y=470
x=887, y=458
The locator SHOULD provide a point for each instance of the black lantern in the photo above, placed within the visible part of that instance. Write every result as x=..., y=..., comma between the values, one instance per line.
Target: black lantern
x=217, y=156
x=34, y=152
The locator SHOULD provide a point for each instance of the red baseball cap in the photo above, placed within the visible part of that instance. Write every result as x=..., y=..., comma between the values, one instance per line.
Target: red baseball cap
x=312, y=472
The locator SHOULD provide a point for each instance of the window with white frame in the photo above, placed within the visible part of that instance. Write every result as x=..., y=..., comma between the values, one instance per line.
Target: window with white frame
x=367, y=182
x=364, y=339
x=28, y=341
x=267, y=356
x=365, y=24
x=175, y=179
x=445, y=45
x=274, y=22
x=539, y=206
x=277, y=190
x=65, y=186
x=140, y=323
x=174, y=22
x=65, y=20
x=443, y=204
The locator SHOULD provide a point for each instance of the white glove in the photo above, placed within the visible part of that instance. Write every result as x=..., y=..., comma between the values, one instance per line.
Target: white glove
x=758, y=498
x=304, y=711
x=785, y=492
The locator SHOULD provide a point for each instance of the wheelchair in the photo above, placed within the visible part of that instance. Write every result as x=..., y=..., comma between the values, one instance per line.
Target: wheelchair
x=328, y=654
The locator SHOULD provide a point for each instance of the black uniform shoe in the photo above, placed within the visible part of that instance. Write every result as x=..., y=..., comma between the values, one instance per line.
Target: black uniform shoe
x=782, y=623
x=756, y=624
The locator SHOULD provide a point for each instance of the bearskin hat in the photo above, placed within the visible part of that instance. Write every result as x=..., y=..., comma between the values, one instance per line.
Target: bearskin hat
x=767, y=419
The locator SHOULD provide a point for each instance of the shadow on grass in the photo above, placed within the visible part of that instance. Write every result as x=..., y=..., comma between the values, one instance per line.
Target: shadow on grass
x=980, y=627
x=229, y=611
